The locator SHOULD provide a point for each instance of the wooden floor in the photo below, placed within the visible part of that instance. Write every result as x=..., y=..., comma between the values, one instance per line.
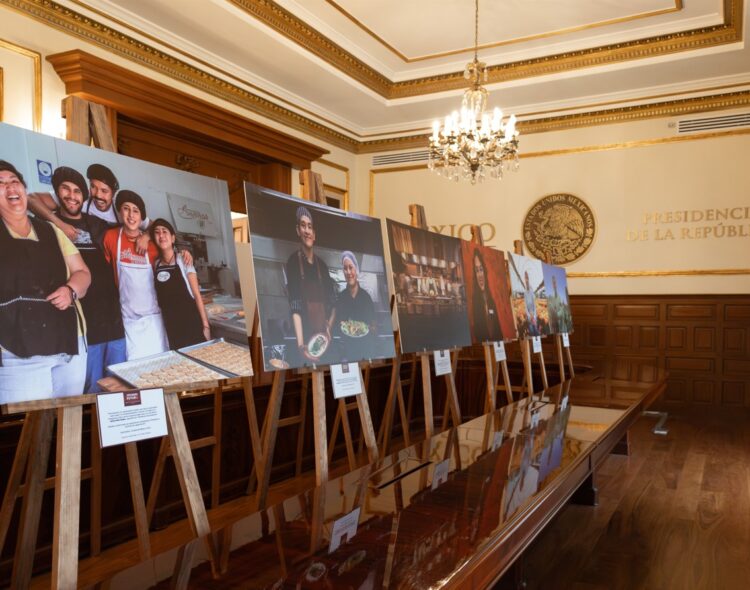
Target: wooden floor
x=675, y=514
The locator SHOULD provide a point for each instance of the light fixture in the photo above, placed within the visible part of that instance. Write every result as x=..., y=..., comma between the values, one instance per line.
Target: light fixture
x=472, y=142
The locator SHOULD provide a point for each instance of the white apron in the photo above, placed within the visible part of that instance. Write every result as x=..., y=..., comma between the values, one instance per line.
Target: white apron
x=144, y=329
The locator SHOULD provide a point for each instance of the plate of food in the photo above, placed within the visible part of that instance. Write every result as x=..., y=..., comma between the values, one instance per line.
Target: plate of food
x=354, y=328
x=317, y=345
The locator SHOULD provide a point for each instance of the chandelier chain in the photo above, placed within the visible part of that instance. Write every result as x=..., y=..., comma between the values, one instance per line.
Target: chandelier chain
x=476, y=30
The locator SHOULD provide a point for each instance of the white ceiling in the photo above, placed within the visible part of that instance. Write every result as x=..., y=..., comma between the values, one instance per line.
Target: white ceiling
x=403, y=40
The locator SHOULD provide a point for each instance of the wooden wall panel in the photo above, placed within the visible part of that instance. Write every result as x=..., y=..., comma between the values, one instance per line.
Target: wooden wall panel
x=703, y=341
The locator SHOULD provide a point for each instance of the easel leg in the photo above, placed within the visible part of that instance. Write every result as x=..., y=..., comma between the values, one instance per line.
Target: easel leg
x=31, y=507
x=252, y=420
x=184, y=565
x=560, y=359
x=368, y=431
x=16, y=475
x=404, y=415
x=345, y=426
x=490, y=374
x=429, y=422
x=271, y=425
x=153, y=491
x=67, y=498
x=191, y=490
x=570, y=362
x=526, y=354
x=95, y=530
x=386, y=425
x=543, y=370
x=452, y=394
x=139, y=503
x=304, y=394
x=216, y=452
x=506, y=381
x=319, y=428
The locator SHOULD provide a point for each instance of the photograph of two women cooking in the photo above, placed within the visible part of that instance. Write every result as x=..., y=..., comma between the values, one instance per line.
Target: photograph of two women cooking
x=321, y=281
x=105, y=260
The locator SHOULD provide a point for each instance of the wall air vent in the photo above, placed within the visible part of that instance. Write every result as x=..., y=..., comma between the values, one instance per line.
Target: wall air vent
x=403, y=158
x=713, y=123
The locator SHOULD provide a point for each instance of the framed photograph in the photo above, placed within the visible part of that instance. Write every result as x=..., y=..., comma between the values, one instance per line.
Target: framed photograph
x=113, y=268
x=429, y=284
x=487, y=293
x=528, y=296
x=321, y=282
x=558, y=299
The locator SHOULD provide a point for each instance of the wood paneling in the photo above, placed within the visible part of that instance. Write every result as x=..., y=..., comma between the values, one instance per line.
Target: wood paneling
x=703, y=341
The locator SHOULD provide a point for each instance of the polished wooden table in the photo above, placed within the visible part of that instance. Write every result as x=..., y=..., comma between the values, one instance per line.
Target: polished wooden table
x=454, y=511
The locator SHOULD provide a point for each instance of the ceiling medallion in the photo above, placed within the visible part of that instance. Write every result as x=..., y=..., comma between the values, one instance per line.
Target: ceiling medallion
x=559, y=228
x=472, y=143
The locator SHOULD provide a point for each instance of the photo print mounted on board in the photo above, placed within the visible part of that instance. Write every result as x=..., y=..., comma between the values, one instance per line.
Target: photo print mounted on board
x=487, y=293
x=117, y=273
x=528, y=296
x=321, y=282
x=428, y=280
x=558, y=299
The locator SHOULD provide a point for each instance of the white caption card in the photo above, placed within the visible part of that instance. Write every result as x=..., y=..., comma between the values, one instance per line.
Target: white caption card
x=497, y=440
x=442, y=362
x=440, y=475
x=130, y=416
x=346, y=379
x=536, y=344
x=344, y=530
x=566, y=340
x=499, y=347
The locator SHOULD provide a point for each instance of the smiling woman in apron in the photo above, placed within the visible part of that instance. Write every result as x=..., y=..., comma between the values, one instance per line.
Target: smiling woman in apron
x=311, y=291
x=141, y=315
x=42, y=332
x=178, y=291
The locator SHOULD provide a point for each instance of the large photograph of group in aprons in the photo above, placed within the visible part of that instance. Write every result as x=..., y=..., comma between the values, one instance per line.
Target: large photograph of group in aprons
x=106, y=261
x=321, y=282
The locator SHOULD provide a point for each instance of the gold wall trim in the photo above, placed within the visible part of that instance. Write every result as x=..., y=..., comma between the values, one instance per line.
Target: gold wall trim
x=672, y=108
x=36, y=59
x=2, y=95
x=659, y=273
x=566, y=151
x=284, y=22
x=624, y=19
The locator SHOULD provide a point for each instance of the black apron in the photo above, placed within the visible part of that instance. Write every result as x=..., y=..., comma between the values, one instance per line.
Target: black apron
x=181, y=318
x=29, y=271
x=314, y=320
x=101, y=305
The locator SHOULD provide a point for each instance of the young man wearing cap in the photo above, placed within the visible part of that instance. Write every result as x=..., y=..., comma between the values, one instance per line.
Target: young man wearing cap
x=101, y=306
x=103, y=185
x=42, y=332
x=310, y=287
x=133, y=272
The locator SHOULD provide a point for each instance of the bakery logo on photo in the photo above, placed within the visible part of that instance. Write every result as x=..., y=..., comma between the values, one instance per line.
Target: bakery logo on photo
x=162, y=276
x=44, y=170
x=132, y=398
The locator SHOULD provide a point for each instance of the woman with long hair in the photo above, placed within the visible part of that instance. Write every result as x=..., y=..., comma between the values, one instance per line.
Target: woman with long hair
x=484, y=311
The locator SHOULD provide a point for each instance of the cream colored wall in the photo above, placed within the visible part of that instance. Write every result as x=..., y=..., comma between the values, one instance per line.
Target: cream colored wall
x=38, y=38
x=631, y=170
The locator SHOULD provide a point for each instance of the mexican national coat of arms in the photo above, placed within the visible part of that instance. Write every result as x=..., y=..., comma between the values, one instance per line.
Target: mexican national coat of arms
x=559, y=228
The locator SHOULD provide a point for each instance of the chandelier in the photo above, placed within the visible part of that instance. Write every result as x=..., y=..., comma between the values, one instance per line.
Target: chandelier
x=473, y=142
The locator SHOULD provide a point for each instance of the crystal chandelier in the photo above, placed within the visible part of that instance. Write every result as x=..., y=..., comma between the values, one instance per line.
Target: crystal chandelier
x=473, y=142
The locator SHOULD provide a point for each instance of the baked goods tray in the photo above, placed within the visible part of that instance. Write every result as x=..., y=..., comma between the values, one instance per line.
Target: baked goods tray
x=221, y=355
x=166, y=369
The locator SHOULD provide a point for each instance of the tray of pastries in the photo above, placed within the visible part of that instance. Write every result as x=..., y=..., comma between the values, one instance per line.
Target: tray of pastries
x=219, y=353
x=164, y=370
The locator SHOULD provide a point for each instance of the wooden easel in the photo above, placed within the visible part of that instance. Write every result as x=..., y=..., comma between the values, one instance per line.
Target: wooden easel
x=419, y=220
x=85, y=122
x=490, y=362
x=312, y=190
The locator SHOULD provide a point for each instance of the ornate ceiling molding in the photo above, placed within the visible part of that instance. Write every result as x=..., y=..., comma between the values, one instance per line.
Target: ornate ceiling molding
x=118, y=43
x=295, y=29
x=671, y=108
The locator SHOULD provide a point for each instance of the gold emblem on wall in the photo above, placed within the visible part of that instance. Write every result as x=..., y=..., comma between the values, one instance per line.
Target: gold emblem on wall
x=559, y=228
